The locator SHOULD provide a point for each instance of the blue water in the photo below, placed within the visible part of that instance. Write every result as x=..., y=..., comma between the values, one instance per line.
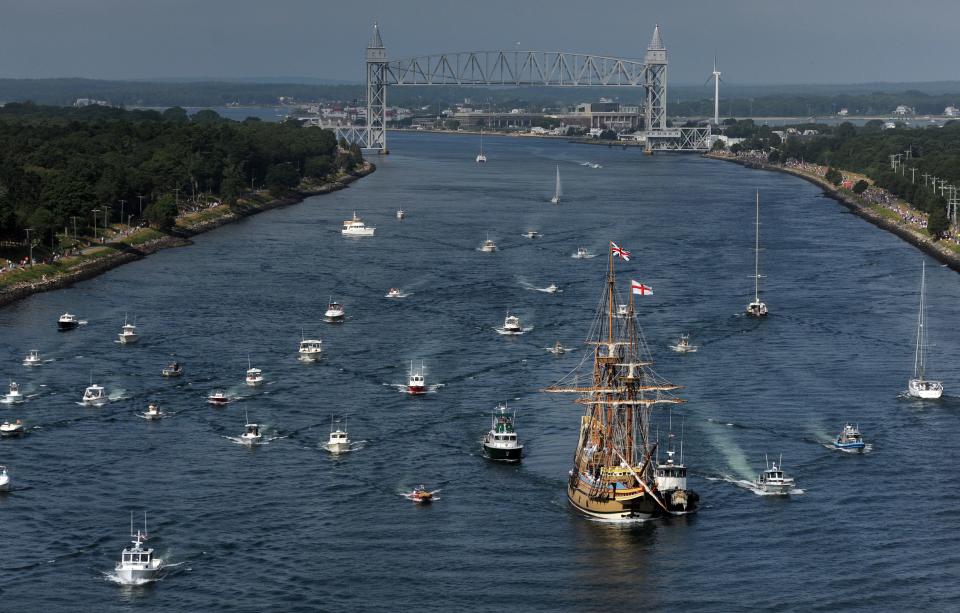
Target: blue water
x=287, y=527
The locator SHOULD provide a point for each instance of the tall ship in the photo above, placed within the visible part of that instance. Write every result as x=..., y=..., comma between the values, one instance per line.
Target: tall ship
x=614, y=463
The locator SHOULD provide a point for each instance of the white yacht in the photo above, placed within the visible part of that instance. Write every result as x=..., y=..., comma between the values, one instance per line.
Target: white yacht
x=95, y=395
x=558, y=189
x=334, y=313
x=14, y=428
x=152, y=413
x=339, y=441
x=401, y=214
x=137, y=564
x=581, y=254
x=67, y=322
x=310, y=350
x=919, y=386
x=254, y=375
x=128, y=334
x=356, y=227
x=251, y=434
x=774, y=481
x=481, y=158
x=757, y=308
x=416, y=381
x=683, y=345
x=511, y=325
x=532, y=234
x=488, y=246
x=4, y=479
x=394, y=292
x=13, y=394
x=33, y=358
x=501, y=442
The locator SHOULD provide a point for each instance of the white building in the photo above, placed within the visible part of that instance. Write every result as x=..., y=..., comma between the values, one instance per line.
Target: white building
x=903, y=110
x=951, y=111
x=843, y=112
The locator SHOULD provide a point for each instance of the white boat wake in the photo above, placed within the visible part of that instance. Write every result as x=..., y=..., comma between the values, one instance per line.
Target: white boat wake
x=867, y=448
x=402, y=388
x=511, y=332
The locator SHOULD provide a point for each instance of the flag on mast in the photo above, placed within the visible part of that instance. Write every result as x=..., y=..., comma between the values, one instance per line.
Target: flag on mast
x=619, y=251
x=640, y=289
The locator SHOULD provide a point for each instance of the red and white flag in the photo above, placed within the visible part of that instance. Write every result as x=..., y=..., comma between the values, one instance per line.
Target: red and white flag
x=619, y=252
x=640, y=289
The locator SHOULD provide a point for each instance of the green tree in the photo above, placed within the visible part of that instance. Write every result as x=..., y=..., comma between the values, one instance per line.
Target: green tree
x=860, y=186
x=162, y=214
x=937, y=222
x=318, y=167
x=833, y=176
x=281, y=178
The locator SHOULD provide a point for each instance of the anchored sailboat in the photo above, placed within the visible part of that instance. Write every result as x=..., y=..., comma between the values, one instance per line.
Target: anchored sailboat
x=919, y=387
x=558, y=190
x=757, y=308
x=613, y=475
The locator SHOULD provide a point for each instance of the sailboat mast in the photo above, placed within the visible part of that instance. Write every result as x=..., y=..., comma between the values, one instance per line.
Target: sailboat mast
x=918, y=366
x=756, y=255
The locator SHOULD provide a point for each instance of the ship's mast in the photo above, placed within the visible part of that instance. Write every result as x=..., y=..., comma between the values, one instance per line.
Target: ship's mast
x=918, y=365
x=756, y=255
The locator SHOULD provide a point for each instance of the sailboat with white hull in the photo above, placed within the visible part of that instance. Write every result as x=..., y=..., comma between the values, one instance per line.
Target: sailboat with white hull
x=558, y=190
x=614, y=468
x=757, y=308
x=481, y=158
x=919, y=386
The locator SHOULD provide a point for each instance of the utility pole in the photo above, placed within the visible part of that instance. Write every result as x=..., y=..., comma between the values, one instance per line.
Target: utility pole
x=122, y=202
x=95, y=211
x=74, y=227
x=176, y=191
x=141, y=207
x=913, y=172
x=942, y=183
x=106, y=215
x=925, y=176
x=30, y=245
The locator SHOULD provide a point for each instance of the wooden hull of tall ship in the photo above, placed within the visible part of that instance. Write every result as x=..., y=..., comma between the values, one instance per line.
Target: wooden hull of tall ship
x=629, y=505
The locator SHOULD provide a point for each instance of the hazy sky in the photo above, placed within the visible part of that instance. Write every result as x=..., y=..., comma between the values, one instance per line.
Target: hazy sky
x=756, y=41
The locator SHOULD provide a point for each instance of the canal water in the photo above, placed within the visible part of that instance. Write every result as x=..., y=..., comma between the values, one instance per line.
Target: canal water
x=288, y=527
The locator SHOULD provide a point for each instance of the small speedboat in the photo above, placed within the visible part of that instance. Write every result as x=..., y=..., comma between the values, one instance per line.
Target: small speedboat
x=501, y=442
x=174, y=369
x=581, y=254
x=532, y=234
x=334, y=313
x=153, y=412
x=551, y=289
x=421, y=495
x=339, y=441
x=511, y=325
x=774, y=481
x=394, y=292
x=128, y=334
x=67, y=322
x=251, y=434
x=137, y=564
x=4, y=479
x=416, y=382
x=557, y=349
x=95, y=395
x=488, y=246
x=33, y=358
x=13, y=394
x=218, y=398
x=683, y=345
x=401, y=214
x=849, y=439
x=310, y=350
x=356, y=227
x=12, y=428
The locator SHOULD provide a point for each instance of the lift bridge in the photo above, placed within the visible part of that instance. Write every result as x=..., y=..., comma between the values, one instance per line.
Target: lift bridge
x=524, y=68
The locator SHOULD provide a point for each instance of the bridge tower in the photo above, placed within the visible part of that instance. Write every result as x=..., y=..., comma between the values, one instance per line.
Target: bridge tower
x=376, y=134
x=655, y=85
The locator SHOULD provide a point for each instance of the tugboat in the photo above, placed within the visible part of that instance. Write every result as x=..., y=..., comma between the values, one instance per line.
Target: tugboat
x=671, y=480
x=683, y=345
x=33, y=358
x=532, y=234
x=850, y=439
x=394, y=292
x=919, y=386
x=421, y=495
x=13, y=395
x=356, y=227
x=174, y=369
x=128, y=334
x=12, y=428
x=67, y=322
x=153, y=413
x=254, y=375
x=4, y=479
x=251, y=435
x=95, y=395
x=581, y=254
x=339, y=441
x=511, y=325
x=612, y=477
x=501, y=443
x=416, y=381
x=488, y=246
x=334, y=313
x=774, y=481
x=310, y=350
x=557, y=349
x=757, y=308
x=137, y=564
x=218, y=398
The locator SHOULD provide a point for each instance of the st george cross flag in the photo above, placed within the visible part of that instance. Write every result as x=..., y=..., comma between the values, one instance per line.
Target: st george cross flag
x=640, y=289
x=619, y=252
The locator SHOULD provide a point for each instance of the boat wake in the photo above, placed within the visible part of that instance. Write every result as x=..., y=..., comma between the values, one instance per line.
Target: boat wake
x=513, y=333
x=402, y=388
x=866, y=448
x=409, y=495
x=400, y=295
x=354, y=446
x=752, y=487
x=588, y=256
x=590, y=164
x=550, y=289
x=113, y=577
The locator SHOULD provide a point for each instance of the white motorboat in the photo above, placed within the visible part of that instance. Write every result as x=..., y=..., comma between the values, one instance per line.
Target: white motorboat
x=582, y=254
x=394, y=292
x=128, y=333
x=488, y=246
x=95, y=395
x=335, y=312
x=919, y=386
x=251, y=434
x=757, y=308
x=174, y=369
x=14, y=428
x=551, y=289
x=416, y=381
x=501, y=442
x=339, y=441
x=558, y=189
x=511, y=325
x=481, y=158
x=254, y=376
x=218, y=398
x=13, y=394
x=153, y=412
x=532, y=234
x=683, y=345
x=356, y=227
x=557, y=349
x=401, y=214
x=310, y=350
x=137, y=564
x=4, y=479
x=33, y=358
x=67, y=322
x=774, y=481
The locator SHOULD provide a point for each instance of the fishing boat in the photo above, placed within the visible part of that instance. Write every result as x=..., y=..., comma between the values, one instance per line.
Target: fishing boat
x=511, y=325
x=310, y=350
x=849, y=439
x=218, y=398
x=488, y=246
x=416, y=381
x=174, y=369
x=500, y=442
x=582, y=254
x=4, y=479
x=919, y=386
x=401, y=214
x=558, y=189
x=671, y=479
x=757, y=308
x=13, y=394
x=14, y=428
x=95, y=395
x=67, y=322
x=137, y=564
x=394, y=292
x=128, y=333
x=355, y=227
x=152, y=413
x=773, y=480
x=251, y=433
x=335, y=312
x=557, y=349
x=481, y=158
x=683, y=345
x=254, y=375
x=339, y=441
x=33, y=358
x=613, y=477
x=421, y=495
x=532, y=234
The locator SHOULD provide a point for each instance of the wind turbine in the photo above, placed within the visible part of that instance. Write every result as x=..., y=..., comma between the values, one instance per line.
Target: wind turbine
x=716, y=91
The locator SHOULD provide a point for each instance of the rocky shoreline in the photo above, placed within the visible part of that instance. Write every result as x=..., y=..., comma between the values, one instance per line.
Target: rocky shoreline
x=915, y=237
x=177, y=237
